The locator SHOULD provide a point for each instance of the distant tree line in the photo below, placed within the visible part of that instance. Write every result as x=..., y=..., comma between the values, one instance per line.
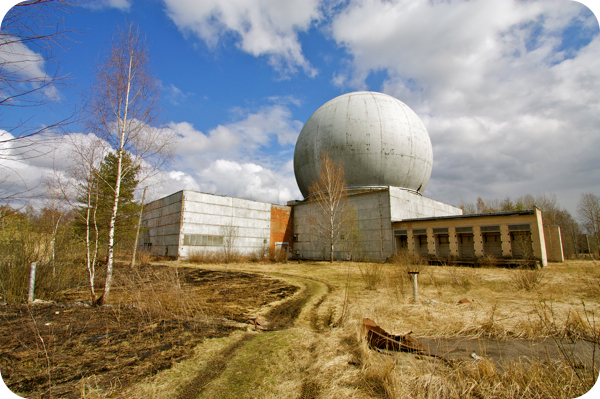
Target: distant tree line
x=580, y=235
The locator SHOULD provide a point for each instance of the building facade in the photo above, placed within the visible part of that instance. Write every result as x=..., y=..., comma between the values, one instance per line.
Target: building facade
x=505, y=236
x=187, y=220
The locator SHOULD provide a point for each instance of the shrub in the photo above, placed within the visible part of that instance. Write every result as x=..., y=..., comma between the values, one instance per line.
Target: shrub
x=144, y=258
x=526, y=279
x=372, y=274
x=203, y=256
x=278, y=255
x=488, y=260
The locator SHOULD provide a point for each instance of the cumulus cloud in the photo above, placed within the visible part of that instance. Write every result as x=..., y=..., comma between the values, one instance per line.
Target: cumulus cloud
x=21, y=63
x=261, y=28
x=239, y=139
x=510, y=107
x=250, y=157
x=248, y=180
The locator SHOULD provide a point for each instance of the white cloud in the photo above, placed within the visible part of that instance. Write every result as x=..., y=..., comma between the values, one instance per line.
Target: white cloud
x=240, y=139
x=26, y=65
x=176, y=96
x=237, y=158
x=261, y=28
x=508, y=109
x=230, y=159
x=248, y=180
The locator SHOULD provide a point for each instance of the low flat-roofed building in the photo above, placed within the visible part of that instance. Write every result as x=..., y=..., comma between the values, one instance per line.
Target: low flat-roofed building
x=185, y=221
x=517, y=235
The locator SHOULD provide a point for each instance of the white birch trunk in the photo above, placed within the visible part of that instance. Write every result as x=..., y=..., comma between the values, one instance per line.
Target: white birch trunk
x=113, y=217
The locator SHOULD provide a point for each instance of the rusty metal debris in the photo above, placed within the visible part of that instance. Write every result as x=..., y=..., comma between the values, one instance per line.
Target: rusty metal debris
x=377, y=337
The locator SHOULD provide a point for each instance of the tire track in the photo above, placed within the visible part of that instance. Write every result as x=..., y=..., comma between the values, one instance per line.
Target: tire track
x=281, y=317
x=213, y=370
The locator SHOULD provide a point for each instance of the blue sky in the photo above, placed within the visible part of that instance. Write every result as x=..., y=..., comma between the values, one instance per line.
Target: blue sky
x=508, y=90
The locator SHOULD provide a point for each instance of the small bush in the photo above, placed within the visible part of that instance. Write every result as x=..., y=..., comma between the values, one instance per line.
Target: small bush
x=408, y=261
x=144, y=258
x=488, y=260
x=372, y=274
x=203, y=256
x=525, y=279
x=260, y=254
x=278, y=255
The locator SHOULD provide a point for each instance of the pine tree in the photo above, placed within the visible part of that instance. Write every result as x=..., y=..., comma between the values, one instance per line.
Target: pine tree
x=128, y=208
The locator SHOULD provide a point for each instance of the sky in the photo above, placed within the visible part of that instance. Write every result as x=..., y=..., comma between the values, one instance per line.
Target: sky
x=509, y=91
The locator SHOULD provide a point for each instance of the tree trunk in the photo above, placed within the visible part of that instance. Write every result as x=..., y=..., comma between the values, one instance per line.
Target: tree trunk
x=113, y=217
x=137, y=233
x=111, y=232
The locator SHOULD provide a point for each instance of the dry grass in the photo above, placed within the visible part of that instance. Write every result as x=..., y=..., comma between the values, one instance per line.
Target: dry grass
x=143, y=258
x=206, y=256
x=372, y=274
x=527, y=279
x=316, y=360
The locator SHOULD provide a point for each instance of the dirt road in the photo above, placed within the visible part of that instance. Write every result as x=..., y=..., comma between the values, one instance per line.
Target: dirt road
x=225, y=372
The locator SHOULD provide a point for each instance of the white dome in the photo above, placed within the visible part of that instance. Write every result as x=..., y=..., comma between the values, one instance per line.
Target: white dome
x=379, y=140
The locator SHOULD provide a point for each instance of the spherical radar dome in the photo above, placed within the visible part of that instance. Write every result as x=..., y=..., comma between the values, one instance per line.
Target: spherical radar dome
x=378, y=139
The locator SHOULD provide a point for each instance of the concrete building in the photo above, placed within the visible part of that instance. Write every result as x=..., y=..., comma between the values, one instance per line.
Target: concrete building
x=188, y=220
x=375, y=210
x=387, y=157
x=507, y=236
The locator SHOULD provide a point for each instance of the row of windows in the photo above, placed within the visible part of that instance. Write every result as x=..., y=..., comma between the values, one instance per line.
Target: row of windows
x=467, y=229
x=199, y=240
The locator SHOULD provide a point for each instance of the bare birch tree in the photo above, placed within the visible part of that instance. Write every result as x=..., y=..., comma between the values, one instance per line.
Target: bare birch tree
x=332, y=208
x=78, y=186
x=124, y=106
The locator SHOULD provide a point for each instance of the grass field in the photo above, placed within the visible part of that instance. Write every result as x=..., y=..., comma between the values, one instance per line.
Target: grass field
x=323, y=356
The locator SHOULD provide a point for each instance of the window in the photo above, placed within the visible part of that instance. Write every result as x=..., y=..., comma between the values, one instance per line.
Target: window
x=200, y=240
x=519, y=227
x=489, y=228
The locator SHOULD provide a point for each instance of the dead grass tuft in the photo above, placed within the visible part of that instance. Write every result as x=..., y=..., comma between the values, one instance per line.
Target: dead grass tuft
x=144, y=258
x=488, y=260
x=527, y=279
x=372, y=274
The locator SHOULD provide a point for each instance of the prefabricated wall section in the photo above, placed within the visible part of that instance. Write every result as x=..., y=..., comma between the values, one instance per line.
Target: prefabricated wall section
x=373, y=220
x=209, y=220
x=191, y=221
x=408, y=205
x=554, y=248
x=161, y=225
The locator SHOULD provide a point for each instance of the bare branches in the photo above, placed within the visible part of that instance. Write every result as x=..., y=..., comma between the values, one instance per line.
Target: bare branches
x=32, y=38
x=123, y=106
x=332, y=208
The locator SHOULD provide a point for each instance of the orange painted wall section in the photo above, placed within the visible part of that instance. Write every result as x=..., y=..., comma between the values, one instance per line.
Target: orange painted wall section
x=281, y=225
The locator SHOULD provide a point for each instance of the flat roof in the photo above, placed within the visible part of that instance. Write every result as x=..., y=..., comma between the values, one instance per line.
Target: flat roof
x=478, y=215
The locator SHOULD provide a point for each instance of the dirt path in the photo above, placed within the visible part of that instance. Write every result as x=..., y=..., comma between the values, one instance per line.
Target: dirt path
x=301, y=310
x=213, y=369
